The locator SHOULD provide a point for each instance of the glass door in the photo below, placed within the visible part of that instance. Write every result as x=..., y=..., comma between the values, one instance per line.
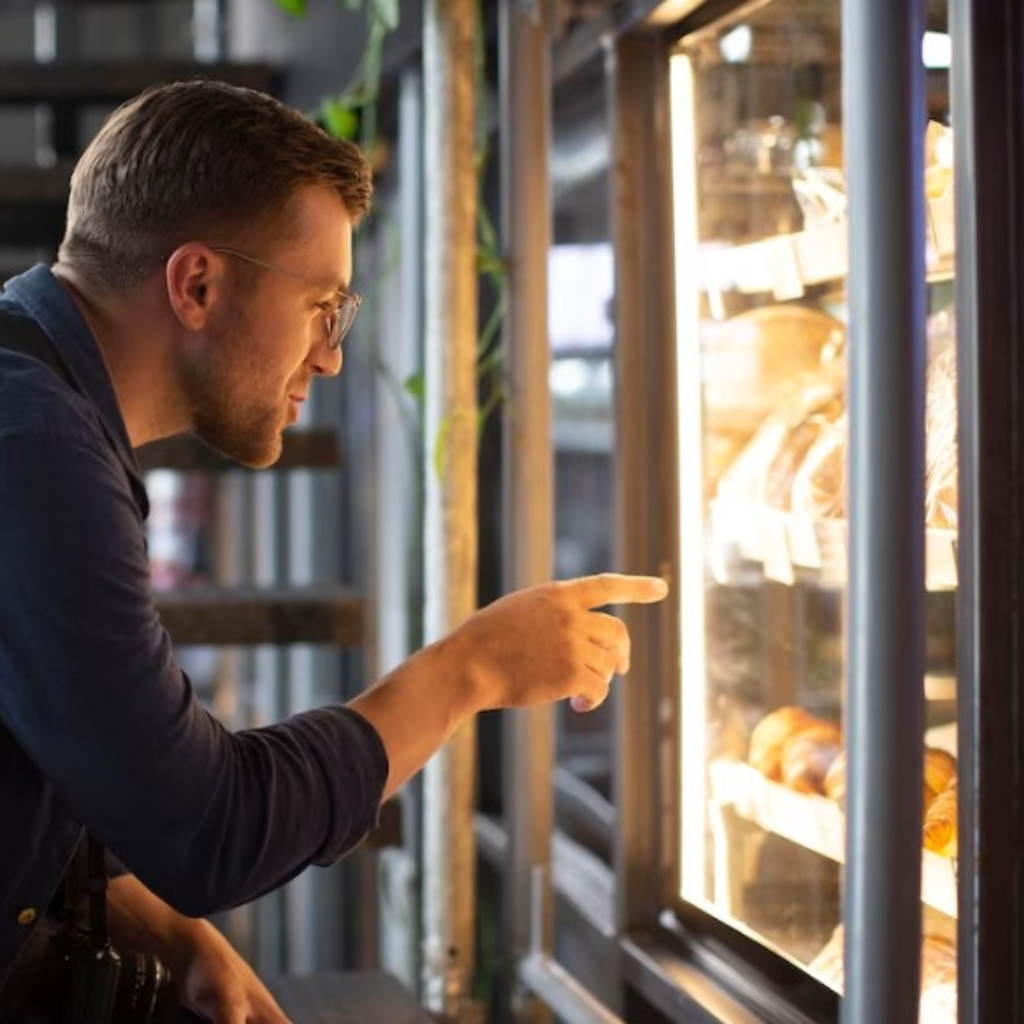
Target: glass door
x=761, y=268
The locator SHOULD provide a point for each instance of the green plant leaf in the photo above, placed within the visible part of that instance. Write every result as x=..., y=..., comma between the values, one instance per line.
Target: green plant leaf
x=416, y=385
x=296, y=8
x=490, y=264
x=386, y=13
x=340, y=120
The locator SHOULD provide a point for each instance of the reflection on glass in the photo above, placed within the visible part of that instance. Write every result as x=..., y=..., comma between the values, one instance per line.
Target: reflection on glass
x=761, y=253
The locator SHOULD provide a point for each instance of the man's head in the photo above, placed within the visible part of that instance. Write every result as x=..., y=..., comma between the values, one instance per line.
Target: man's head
x=197, y=160
x=209, y=237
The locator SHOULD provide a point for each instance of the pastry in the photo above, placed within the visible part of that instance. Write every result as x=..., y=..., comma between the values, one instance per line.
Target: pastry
x=940, y=830
x=807, y=757
x=834, y=783
x=769, y=736
x=939, y=769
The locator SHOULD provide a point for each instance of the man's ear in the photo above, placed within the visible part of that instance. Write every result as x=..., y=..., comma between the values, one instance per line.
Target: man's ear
x=194, y=280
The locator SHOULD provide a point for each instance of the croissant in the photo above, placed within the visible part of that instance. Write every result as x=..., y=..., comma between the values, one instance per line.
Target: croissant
x=939, y=771
x=940, y=823
x=769, y=736
x=807, y=757
x=834, y=783
x=939, y=768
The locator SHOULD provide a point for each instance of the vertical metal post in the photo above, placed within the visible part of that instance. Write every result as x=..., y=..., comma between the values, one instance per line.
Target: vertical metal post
x=528, y=734
x=269, y=664
x=232, y=551
x=988, y=48
x=884, y=99
x=647, y=504
x=395, y=573
x=396, y=577
x=306, y=560
x=451, y=481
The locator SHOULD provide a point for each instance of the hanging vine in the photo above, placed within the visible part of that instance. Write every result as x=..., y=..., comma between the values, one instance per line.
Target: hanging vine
x=352, y=114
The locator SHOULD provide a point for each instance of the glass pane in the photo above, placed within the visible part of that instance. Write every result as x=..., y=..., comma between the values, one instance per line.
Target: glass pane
x=761, y=252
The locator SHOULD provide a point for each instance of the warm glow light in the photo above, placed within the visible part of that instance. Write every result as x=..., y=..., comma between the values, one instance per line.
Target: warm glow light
x=937, y=50
x=735, y=45
x=693, y=716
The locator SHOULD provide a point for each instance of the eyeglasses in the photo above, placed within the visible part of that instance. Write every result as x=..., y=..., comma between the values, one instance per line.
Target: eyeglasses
x=337, y=319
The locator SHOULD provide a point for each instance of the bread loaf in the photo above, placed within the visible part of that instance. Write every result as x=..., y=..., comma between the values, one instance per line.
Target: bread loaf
x=752, y=360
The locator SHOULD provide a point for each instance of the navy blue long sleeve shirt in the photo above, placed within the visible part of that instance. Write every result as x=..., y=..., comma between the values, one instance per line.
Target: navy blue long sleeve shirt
x=99, y=726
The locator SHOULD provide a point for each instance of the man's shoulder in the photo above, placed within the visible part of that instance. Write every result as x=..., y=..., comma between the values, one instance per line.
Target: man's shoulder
x=34, y=401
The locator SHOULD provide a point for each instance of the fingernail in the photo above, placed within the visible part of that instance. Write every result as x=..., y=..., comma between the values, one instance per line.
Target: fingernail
x=580, y=704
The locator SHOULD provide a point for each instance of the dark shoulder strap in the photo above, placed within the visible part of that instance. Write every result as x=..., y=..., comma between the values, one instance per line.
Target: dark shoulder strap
x=22, y=334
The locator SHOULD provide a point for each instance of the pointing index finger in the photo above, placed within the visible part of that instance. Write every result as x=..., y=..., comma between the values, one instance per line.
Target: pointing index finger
x=616, y=588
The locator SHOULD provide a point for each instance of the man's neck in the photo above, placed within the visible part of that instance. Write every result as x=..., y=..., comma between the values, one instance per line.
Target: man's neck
x=139, y=363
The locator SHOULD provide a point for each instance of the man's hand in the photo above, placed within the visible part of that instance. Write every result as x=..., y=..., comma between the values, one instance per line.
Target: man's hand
x=538, y=645
x=211, y=978
x=215, y=982
x=547, y=643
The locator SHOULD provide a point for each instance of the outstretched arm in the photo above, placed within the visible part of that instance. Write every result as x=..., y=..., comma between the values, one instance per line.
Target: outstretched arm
x=538, y=645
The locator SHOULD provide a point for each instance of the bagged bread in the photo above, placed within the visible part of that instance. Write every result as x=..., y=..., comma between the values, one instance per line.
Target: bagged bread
x=819, y=485
x=764, y=471
x=752, y=360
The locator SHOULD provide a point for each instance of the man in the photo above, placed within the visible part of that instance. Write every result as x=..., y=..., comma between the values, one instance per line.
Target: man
x=202, y=284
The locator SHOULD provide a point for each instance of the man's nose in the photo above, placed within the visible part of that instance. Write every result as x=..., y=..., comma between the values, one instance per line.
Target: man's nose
x=325, y=361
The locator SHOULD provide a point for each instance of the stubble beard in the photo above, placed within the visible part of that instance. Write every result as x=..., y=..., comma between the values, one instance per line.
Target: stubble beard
x=230, y=412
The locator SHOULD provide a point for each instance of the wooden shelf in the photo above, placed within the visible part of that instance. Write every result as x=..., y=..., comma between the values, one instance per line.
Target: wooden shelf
x=246, y=616
x=311, y=448
x=815, y=823
x=83, y=82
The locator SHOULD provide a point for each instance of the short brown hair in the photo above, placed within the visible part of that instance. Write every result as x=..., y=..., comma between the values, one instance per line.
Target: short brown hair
x=194, y=160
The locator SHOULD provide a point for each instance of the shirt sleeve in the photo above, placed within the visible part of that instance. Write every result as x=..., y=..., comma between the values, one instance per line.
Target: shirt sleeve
x=89, y=686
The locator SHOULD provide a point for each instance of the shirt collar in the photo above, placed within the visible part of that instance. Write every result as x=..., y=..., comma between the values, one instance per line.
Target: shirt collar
x=39, y=294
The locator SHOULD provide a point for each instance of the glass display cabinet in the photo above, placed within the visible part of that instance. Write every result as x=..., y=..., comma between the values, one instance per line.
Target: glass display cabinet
x=757, y=110
x=792, y=750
